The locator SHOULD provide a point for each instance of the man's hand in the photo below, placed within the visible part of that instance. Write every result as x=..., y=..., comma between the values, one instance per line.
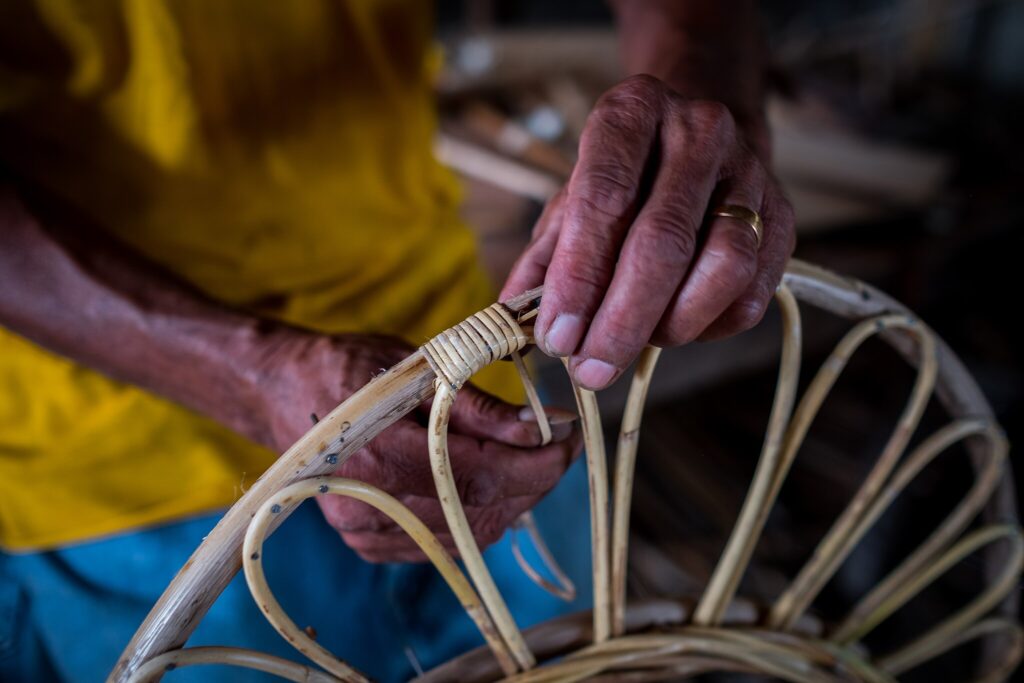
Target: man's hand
x=625, y=251
x=499, y=467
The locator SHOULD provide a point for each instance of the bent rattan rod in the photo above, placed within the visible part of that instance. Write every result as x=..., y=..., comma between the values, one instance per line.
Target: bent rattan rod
x=597, y=475
x=771, y=470
x=406, y=520
x=327, y=445
x=635, y=651
x=847, y=529
x=622, y=486
x=249, y=659
x=936, y=639
x=859, y=622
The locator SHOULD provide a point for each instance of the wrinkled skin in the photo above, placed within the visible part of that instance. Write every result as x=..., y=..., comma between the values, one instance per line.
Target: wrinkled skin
x=625, y=251
x=499, y=467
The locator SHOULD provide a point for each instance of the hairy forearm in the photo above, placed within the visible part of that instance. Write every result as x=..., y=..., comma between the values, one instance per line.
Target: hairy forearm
x=706, y=49
x=75, y=292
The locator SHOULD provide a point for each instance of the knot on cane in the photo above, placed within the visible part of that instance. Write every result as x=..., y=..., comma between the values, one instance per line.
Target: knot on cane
x=463, y=350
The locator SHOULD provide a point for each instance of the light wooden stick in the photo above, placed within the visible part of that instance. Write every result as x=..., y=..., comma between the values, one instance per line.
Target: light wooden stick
x=597, y=473
x=565, y=589
x=771, y=470
x=152, y=670
x=847, y=530
x=937, y=639
x=625, y=466
x=857, y=624
x=462, y=533
x=290, y=497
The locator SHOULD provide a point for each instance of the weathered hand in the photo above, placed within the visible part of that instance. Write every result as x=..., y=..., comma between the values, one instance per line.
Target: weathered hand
x=499, y=467
x=625, y=252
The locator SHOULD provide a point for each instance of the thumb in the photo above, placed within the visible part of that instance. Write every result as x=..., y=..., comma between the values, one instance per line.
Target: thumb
x=484, y=416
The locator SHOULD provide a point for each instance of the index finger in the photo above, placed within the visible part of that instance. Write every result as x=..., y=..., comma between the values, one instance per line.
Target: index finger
x=601, y=202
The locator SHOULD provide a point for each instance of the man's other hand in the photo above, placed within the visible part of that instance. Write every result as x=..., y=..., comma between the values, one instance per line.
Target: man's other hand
x=500, y=468
x=626, y=252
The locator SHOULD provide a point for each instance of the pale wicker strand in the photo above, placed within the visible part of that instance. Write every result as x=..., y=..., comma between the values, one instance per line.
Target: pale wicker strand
x=936, y=639
x=564, y=589
x=987, y=628
x=856, y=625
x=597, y=473
x=771, y=470
x=846, y=531
x=154, y=669
x=292, y=495
x=462, y=533
x=622, y=492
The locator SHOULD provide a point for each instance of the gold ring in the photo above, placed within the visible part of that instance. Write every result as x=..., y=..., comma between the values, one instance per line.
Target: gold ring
x=744, y=214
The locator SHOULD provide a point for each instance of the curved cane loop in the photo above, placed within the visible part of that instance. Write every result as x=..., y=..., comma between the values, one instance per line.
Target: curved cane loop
x=151, y=671
x=857, y=623
x=694, y=647
x=597, y=473
x=985, y=628
x=533, y=398
x=291, y=496
x=847, y=530
x=771, y=471
x=462, y=533
x=622, y=494
x=564, y=589
x=938, y=638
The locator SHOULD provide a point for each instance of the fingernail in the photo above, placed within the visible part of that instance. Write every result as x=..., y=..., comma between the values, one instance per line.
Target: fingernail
x=564, y=335
x=594, y=374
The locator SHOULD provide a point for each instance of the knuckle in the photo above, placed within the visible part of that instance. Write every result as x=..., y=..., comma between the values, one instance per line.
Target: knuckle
x=715, y=119
x=670, y=237
x=633, y=101
x=737, y=257
x=604, y=189
x=586, y=277
x=749, y=313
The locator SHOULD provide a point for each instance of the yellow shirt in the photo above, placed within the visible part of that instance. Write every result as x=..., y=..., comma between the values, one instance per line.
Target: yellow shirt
x=277, y=155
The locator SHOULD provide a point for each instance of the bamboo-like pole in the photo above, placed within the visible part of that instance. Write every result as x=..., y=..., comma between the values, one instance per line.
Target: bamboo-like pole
x=289, y=497
x=597, y=476
x=937, y=639
x=175, y=659
x=622, y=494
x=771, y=470
x=857, y=624
x=461, y=532
x=849, y=528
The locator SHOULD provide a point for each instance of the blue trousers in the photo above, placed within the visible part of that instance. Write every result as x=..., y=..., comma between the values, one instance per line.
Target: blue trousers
x=66, y=614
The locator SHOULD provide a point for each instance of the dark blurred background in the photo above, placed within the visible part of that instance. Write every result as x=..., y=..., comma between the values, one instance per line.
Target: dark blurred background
x=897, y=137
